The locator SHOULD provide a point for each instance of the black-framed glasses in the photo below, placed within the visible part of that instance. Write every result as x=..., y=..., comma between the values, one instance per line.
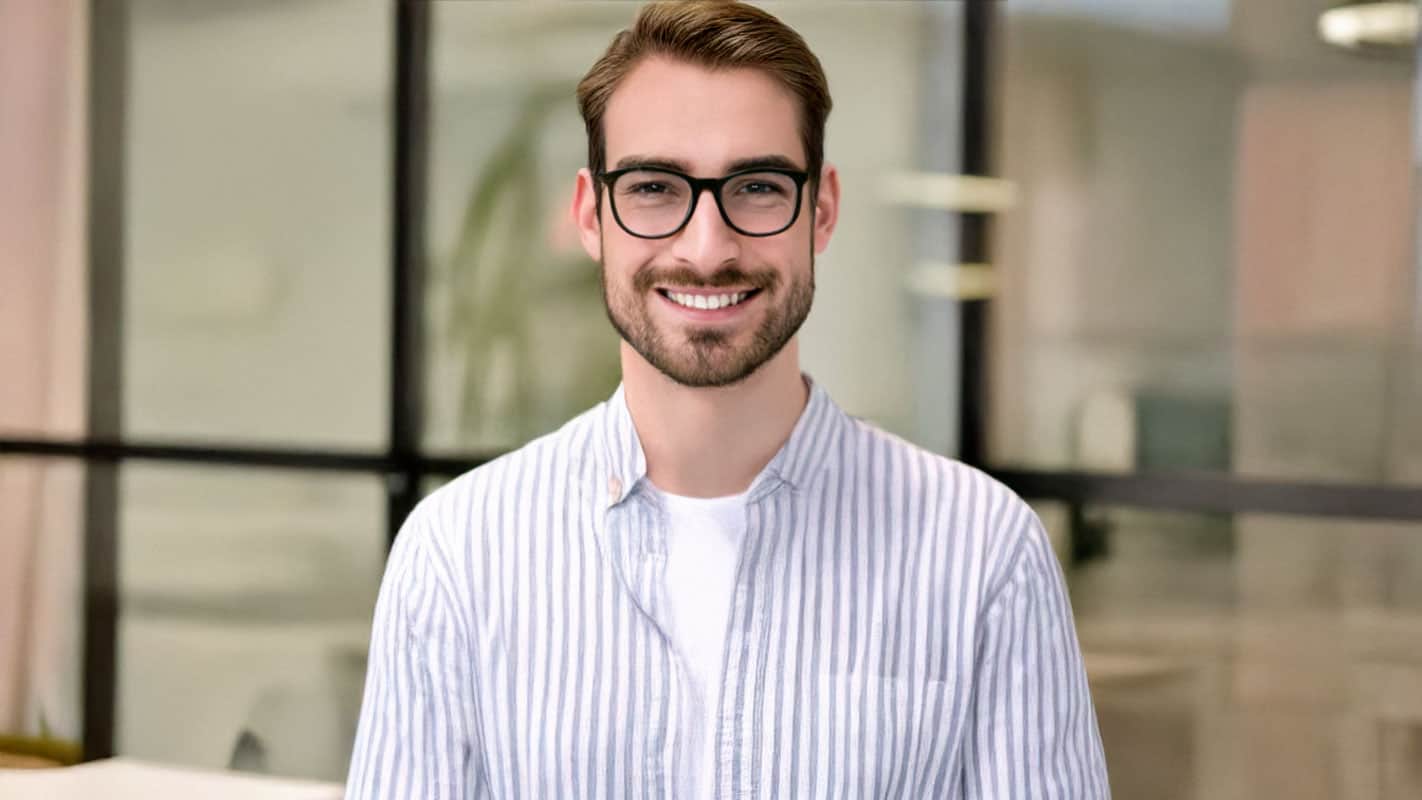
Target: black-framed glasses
x=654, y=203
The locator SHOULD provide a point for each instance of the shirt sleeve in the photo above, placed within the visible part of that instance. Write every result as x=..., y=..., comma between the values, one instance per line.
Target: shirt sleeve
x=1033, y=729
x=416, y=737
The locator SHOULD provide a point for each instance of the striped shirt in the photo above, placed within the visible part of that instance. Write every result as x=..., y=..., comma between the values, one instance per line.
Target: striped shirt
x=899, y=628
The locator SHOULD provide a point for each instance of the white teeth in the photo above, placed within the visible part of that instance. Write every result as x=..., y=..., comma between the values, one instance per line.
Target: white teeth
x=709, y=302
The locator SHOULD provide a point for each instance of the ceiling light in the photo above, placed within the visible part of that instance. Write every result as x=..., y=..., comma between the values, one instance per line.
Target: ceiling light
x=1370, y=25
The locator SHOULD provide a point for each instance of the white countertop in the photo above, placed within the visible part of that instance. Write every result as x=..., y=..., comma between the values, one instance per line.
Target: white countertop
x=126, y=779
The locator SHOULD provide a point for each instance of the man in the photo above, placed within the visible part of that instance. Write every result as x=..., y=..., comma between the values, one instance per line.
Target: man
x=717, y=584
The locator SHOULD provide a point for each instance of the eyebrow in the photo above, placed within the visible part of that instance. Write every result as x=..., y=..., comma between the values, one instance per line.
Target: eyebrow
x=759, y=162
x=739, y=165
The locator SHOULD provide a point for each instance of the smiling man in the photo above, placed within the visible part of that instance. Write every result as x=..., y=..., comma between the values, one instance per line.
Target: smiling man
x=716, y=584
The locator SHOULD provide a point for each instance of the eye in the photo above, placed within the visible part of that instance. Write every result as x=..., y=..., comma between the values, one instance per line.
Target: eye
x=648, y=187
x=761, y=187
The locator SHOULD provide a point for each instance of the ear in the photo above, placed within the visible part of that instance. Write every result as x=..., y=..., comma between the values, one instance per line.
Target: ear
x=826, y=207
x=585, y=215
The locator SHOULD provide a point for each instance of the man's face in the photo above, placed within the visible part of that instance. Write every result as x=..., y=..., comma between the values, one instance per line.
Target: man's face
x=705, y=124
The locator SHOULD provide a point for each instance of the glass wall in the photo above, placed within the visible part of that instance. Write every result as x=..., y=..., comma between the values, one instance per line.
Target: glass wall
x=246, y=598
x=1212, y=259
x=257, y=223
x=1286, y=666
x=255, y=314
x=1212, y=267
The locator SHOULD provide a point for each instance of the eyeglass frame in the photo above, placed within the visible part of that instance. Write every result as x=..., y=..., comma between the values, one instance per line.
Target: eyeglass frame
x=700, y=186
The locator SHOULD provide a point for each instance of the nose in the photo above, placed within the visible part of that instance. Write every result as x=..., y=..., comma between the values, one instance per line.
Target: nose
x=707, y=243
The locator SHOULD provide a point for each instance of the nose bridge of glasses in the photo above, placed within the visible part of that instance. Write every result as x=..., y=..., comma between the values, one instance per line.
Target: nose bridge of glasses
x=716, y=207
x=706, y=225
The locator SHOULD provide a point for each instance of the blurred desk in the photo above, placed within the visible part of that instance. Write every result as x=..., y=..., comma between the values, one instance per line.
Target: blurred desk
x=126, y=779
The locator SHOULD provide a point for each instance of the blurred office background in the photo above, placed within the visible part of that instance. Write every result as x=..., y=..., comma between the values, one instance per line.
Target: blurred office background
x=270, y=270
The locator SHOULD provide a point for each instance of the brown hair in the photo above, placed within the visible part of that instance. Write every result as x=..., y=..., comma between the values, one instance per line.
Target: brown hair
x=716, y=34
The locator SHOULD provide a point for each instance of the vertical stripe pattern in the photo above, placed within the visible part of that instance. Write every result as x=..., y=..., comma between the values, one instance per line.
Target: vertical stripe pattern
x=899, y=627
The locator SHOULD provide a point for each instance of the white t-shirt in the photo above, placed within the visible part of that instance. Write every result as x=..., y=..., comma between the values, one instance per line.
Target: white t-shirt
x=703, y=544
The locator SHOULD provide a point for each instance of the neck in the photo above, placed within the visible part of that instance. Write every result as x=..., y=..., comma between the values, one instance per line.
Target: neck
x=713, y=442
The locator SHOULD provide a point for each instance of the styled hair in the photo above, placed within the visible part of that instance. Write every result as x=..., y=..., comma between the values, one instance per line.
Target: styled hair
x=715, y=34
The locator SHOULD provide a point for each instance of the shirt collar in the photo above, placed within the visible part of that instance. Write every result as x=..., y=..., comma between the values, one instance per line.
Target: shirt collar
x=799, y=461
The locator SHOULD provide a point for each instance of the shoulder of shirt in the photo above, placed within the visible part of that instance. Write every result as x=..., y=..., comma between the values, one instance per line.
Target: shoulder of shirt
x=958, y=475
x=450, y=513
x=1009, y=522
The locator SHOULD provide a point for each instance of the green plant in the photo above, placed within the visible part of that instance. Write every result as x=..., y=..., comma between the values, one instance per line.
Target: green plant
x=503, y=274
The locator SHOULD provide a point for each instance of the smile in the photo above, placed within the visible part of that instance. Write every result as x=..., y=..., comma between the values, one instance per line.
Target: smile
x=707, y=302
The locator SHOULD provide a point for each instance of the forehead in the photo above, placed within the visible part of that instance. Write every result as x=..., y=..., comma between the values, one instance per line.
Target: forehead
x=707, y=119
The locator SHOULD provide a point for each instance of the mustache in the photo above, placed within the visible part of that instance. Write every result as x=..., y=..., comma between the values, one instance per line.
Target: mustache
x=649, y=277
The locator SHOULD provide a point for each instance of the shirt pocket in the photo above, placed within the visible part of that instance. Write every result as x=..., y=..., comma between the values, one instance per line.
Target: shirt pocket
x=886, y=737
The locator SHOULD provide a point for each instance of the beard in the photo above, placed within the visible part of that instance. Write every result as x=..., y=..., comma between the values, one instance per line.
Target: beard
x=708, y=356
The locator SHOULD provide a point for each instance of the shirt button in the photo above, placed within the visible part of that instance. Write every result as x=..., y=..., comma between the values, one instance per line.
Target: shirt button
x=614, y=489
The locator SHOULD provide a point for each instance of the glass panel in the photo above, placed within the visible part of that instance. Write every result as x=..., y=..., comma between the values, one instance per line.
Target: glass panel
x=246, y=600
x=41, y=609
x=431, y=483
x=880, y=340
x=1254, y=655
x=1211, y=262
x=519, y=337
x=257, y=240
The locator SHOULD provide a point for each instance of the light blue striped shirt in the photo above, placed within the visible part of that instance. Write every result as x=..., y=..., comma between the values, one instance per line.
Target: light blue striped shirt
x=899, y=628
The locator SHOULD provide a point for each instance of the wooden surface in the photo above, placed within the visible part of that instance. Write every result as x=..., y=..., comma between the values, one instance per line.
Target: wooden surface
x=16, y=761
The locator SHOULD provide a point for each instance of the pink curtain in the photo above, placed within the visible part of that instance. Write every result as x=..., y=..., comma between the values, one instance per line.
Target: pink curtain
x=42, y=360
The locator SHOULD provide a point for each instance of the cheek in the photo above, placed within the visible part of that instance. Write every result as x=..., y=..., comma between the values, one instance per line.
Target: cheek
x=623, y=255
x=788, y=253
